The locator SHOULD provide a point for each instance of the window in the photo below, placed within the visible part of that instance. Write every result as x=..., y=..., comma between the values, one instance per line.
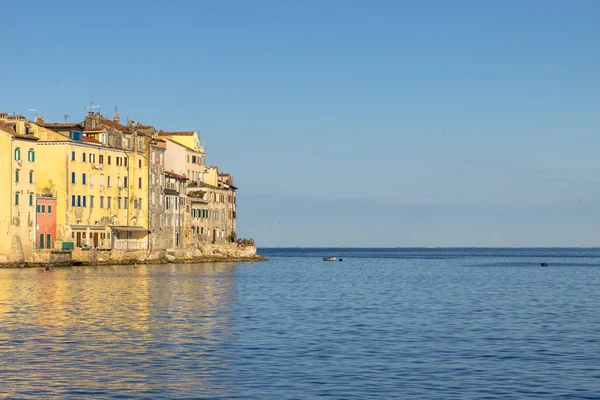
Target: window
x=17, y=175
x=92, y=158
x=38, y=208
x=78, y=201
x=41, y=241
x=91, y=179
x=91, y=201
x=126, y=203
x=118, y=181
x=17, y=154
x=83, y=157
x=49, y=209
x=108, y=160
x=73, y=203
x=72, y=177
x=139, y=183
x=124, y=181
x=135, y=206
x=16, y=199
x=140, y=144
x=101, y=201
x=31, y=200
x=108, y=202
x=140, y=163
x=31, y=155
x=125, y=161
x=108, y=181
x=84, y=201
x=83, y=178
x=140, y=203
x=72, y=156
x=48, y=240
x=118, y=202
x=101, y=159
x=101, y=179
x=30, y=176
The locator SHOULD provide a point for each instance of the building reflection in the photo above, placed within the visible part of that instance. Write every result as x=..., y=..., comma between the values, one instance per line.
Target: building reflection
x=150, y=331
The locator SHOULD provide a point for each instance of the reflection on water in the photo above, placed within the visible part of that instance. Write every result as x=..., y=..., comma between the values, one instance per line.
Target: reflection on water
x=116, y=330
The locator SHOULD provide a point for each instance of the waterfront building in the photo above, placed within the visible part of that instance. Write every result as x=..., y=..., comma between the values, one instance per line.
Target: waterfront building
x=172, y=221
x=100, y=184
x=217, y=213
x=18, y=160
x=45, y=221
x=185, y=155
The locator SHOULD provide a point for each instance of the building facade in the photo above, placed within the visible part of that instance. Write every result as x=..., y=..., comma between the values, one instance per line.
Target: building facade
x=46, y=222
x=101, y=184
x=18, y=169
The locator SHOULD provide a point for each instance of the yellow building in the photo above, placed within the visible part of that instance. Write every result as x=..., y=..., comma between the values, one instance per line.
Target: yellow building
x=101, y=189
x=18, y=161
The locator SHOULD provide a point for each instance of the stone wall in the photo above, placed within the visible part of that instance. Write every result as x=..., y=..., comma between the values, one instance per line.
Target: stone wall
x=202, y=253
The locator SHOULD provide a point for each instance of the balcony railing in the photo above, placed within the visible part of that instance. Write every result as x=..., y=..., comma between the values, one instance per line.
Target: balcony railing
x=122, y=245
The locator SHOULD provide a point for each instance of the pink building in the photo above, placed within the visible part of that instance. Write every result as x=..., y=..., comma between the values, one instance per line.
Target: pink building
x=46, y=222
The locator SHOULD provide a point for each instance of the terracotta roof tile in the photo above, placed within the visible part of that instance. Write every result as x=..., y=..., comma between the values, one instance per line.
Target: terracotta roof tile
x=89, y=140
x=174, y=175
x=114, y=125
x=182, y=133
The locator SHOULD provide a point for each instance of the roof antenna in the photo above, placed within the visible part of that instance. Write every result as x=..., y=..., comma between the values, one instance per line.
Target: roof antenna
x=66, y=116
x=92, y=106
x=34, y=111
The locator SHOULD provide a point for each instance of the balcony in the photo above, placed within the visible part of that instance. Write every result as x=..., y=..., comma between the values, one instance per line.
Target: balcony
x=123, y=245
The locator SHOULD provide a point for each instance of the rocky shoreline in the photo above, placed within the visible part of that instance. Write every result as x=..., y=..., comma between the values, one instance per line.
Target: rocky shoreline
x=196, y=260
x=92, y=257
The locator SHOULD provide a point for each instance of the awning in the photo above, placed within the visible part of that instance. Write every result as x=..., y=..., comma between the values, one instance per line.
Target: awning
x=130, y=228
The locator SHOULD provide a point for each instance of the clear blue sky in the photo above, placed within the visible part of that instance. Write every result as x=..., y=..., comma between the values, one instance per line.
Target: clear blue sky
x=346, y=123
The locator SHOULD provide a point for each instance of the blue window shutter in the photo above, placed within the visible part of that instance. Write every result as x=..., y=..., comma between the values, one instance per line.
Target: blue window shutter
x=73, y=200
x=84, y=201
x=72, y=177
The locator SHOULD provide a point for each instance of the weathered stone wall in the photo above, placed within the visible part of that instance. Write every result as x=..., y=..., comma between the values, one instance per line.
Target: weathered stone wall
x=161, y=236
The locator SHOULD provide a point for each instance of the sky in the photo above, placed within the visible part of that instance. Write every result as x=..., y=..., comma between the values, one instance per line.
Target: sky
x=346, y=123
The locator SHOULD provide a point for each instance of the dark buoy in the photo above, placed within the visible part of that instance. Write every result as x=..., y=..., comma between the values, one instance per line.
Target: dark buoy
x=47, y=268
x=544, y=264
x=340, y=259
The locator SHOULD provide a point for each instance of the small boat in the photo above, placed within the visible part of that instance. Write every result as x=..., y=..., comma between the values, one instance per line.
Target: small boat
x=544, y=264
x=329, y=259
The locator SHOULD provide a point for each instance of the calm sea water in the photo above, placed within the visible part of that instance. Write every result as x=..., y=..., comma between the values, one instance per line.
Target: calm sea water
x=384, y=323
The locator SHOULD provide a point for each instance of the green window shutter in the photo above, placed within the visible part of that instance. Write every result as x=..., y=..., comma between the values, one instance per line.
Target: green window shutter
x=16, y=199
x=49, y=209
x=30, y=199
x=17, y=176
x=37, y=208
x=30, y=176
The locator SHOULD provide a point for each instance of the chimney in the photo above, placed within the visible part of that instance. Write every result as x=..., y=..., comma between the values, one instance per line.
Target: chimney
x=116, y=117
x=130, y=123
x=40, y=120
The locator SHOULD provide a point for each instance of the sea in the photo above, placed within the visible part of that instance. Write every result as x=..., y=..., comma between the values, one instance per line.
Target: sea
x=403, y=323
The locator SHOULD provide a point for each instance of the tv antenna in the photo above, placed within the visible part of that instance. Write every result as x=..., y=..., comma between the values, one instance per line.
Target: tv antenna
x=92, y=106
x=35, y=113
x=66, y=116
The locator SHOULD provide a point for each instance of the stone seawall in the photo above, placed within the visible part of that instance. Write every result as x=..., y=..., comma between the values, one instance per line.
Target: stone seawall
x=205, y=253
